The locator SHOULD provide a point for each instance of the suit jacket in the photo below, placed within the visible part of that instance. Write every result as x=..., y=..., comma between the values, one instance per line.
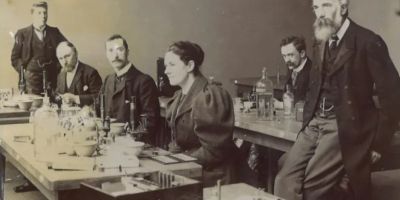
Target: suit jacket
x=135, y=84
x=86, y=83
x=362, y=61
x=301, y=85
x=204, y=127
x=22, y=51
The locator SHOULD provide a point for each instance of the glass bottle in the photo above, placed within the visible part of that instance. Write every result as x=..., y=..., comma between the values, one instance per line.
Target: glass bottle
x=299, y=108
x=288, y=101
x=132, y=109
x=46, y=129
x=264, y=94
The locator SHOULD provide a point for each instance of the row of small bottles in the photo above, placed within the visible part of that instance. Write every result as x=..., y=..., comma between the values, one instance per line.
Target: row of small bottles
x=264, y=92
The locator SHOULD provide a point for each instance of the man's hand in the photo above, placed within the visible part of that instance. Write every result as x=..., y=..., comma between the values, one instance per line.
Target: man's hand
x=70, y=99
x=375, y=156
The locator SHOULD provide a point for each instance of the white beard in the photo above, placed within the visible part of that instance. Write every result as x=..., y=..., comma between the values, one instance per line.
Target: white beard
x=325, y=28
x=324, y=33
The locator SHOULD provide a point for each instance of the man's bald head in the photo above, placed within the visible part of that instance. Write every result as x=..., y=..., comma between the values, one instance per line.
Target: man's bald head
x=67, y=55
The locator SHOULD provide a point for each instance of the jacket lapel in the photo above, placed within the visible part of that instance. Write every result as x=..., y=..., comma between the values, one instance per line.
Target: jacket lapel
x=302, y=73
x=29, y=42
x=197, y=86
x=62, y=82
x=321, y=53
x=75, y=81
x=130, y=74
x=346, y=50
x=173, y=106
x=118, y=87
x=318, y=56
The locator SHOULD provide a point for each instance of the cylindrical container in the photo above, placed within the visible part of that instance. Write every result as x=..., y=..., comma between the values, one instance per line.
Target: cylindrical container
x=46, y=129
x=299, y=107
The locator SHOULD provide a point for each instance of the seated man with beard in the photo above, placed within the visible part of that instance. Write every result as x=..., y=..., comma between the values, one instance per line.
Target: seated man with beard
x=343, y=132
x=77, y=83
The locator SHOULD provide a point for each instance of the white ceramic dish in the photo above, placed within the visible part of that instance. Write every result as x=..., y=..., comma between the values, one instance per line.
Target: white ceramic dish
x=86, y=148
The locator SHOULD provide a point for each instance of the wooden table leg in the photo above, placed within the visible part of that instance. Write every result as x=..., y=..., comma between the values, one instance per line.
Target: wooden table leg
x=2, y=175
x=270, y=171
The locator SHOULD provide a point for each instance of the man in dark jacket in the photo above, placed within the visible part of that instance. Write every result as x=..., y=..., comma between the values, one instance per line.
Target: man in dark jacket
x=128, y=81
x=343, y=132
x=35, y=49
x=77, y=83
x=293, y=50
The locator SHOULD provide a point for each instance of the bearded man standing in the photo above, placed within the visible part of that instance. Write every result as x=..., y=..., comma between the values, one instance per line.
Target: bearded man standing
x=343, y=132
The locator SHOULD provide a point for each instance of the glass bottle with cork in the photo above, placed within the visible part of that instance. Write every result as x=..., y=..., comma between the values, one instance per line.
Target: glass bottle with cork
x=264, y=96
x=288, y=101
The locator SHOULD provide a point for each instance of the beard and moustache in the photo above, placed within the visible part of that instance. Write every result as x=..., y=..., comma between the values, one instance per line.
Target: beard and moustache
x=324, y=28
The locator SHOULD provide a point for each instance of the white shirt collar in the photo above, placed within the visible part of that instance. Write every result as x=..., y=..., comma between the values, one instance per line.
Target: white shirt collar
x=299, y=68
x=41, y=33
x=42, y=29
x=342, y=30
x=124, y=69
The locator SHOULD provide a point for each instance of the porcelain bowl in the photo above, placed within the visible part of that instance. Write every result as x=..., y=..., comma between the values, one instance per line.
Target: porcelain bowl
x=86, y=148
x=25, y=104
x=135, y=148
x=37, y=101
x=117, y=128
x=129, y=146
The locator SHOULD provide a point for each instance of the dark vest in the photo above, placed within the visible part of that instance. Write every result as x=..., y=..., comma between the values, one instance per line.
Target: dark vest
x=40, y=52
x=329, y=89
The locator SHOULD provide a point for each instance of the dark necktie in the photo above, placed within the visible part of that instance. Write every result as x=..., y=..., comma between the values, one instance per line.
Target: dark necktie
x=120, y=78
x=334, y=40
x=332, y=46
x=294, y=76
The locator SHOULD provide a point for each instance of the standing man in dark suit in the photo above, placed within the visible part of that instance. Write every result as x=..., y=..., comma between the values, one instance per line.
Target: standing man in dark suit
x=293, y=50
x=77, y=83
x=128, y=81
x=343, y=132
x=34, y=48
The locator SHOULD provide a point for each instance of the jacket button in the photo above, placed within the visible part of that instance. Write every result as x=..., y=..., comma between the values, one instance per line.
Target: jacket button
x=349, y=102
x=346, y=87
x=353, y=118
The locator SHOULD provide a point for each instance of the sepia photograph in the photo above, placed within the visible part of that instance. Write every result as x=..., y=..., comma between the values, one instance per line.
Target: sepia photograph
x=199, y=100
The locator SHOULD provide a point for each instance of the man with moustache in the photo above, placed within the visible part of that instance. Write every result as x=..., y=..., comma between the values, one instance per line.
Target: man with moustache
x=343, y=132
x=128, y=81
x=34, y=48
x=77, y=83
x=293, y=50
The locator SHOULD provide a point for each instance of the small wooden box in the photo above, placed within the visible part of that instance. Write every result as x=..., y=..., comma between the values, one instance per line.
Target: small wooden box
x=158, y=185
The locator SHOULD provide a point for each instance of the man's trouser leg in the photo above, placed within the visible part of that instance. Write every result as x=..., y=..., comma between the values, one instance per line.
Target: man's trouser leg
x=314, y=159
x=325, y=169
